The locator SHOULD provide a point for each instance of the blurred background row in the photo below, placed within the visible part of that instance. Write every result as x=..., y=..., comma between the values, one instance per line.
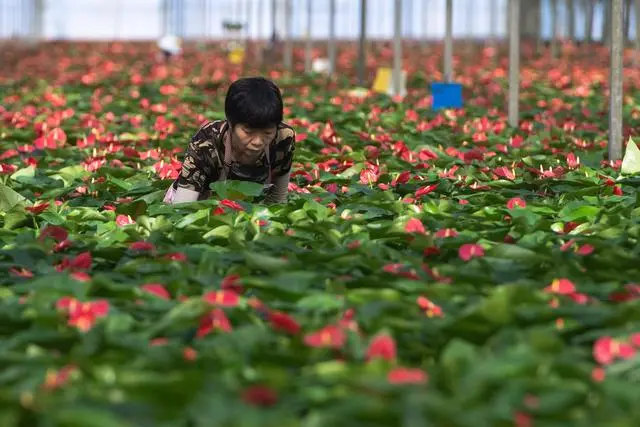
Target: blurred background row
x=205, y=19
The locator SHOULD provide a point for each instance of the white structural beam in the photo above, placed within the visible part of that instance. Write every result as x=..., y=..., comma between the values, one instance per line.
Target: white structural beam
x=309, y=43
x=397, y=48
x=636, y=60
x=514, y=62
x=616, y=67
x=288, y=43
x=332, y=37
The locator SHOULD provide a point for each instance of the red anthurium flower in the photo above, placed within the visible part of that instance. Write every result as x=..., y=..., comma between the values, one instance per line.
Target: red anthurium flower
x=414, y=225
x=579, y=298
x=635, y=339
x=470, y=250
x=177, y=256
x=157, y=290
x=330, y=336
x=446, y=232
x=124, y=220
x=505, y=172
x=607, y=349
x=426, y=190
x=65, y=244
x=189, y=354
x=566, y=246
x=222, y=298
x=407, y=376
x=159, y=341
x=83, y=315
x=232, y=205
x=57, y=378
x=585, y=250
x=572, y=161
x=631, y=292
x=283, y=322
x=598, y=374
x=403, y=178
x=37, y=208
x=232, y=283
x=561, y=287
x=142, y=246
x=429, y=308
x=81, y=276
x=55, y=232
x=215, y=320
x=22, y=272
x=259, y=395
x=382, y=347
x=521, y=419
x=516, y=202
x=401, y=270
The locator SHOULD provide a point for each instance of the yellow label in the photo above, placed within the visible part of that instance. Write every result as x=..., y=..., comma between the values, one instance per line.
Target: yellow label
x=236, y=56
x=382, y=82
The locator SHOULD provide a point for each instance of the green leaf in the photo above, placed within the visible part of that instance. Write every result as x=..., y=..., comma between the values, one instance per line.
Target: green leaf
x=9, y=198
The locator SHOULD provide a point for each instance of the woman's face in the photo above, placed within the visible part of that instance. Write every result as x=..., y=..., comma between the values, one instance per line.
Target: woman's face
x=250, y=143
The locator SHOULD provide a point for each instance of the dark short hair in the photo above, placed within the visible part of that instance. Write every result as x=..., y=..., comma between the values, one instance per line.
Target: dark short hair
x=255, y=102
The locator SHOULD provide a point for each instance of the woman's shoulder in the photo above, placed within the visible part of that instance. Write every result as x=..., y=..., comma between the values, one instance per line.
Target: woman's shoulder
x=210, y=130
x=285, y=132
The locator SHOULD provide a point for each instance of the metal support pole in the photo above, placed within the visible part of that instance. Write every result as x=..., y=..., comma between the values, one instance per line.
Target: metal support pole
x=274, y=17
x=397, y=48
x=288, y=45
x=514, y=62
x=555, y=29
x=615, y=79
x=606, y=23
x=362, y=49
x=571, y=18
x=448, y=43
x=590, y=6
x=332, y=37
x=309, y=44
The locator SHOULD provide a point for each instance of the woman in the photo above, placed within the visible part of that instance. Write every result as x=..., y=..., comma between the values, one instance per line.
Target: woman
x=252, y=144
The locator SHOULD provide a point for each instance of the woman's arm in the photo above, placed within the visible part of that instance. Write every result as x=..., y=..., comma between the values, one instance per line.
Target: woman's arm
x=280, y=190
x=184, y=195
x=198, y=168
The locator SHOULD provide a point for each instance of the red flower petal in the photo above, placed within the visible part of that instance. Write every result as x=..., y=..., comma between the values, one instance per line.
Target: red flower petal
x=446, y=232
x=407, y=376
x=82, y=261
x=232, y=205
x=468, y=251
x=157, y=290
x=330, y=336
x=426, y=190
x=284, y=322
x=516, y=202
x=258, y=395
x=382, y=347
x=58, y=234
x=603, y=350
x=124, y=220
x=585, y=250
x=414, y=225
x=561, y=287
x=222, y=298
x=142, y=246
